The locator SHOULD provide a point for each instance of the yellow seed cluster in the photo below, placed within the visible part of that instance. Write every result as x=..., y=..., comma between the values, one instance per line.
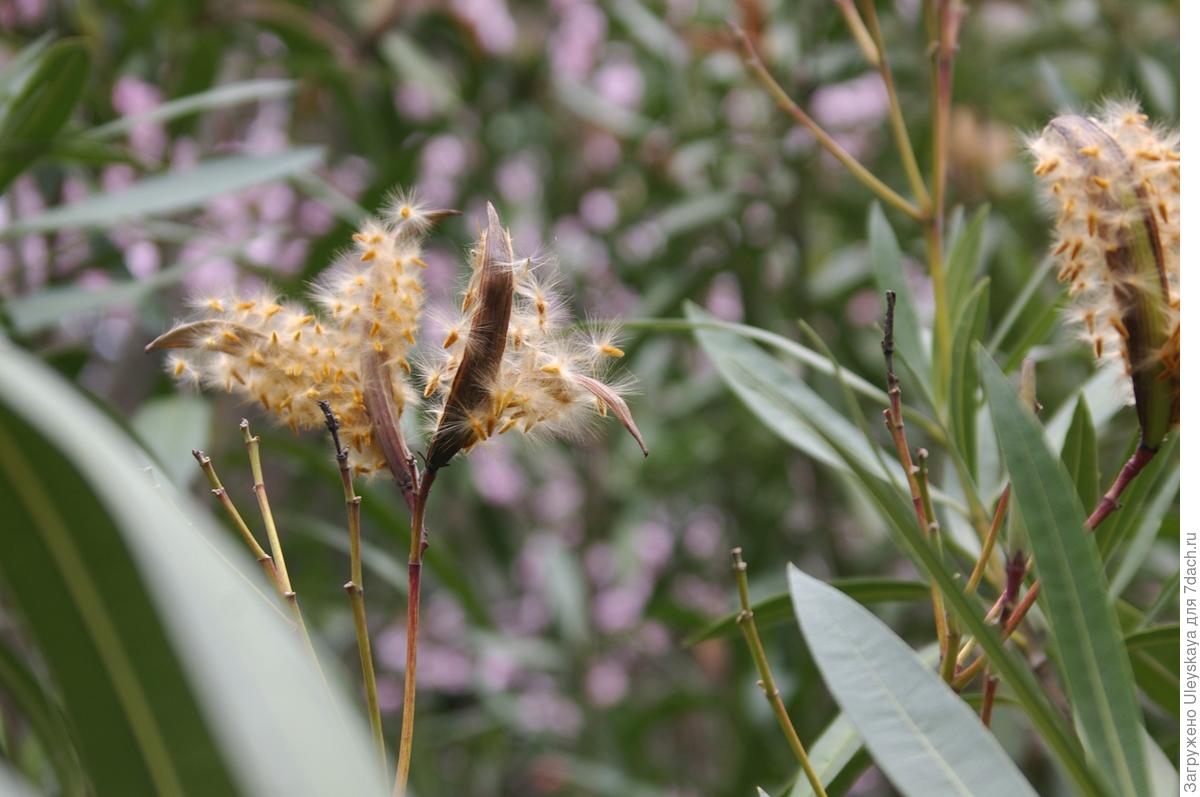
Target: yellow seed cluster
x=1106, y=194
x=541, y=383
x=286, y=357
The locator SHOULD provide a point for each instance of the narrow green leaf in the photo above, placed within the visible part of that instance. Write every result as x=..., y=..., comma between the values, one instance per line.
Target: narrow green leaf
x=887, y=264
x=964, y=379
x=36, y=705
x=177, y=673
x=833, y=752
x=1130, y=557
x=1094, y=665
x=14, y=73
x=920, y=733
x=963, y=261
x=170, y=427
x=172, y=192
x=896, y=508
x=1028, y=291
x=777, y=608
x=35, y=115
x=1154, y=653
x=221, y=97
x=1104, y=392
x=1079, y=454
x=788, y=406
x=52, y=306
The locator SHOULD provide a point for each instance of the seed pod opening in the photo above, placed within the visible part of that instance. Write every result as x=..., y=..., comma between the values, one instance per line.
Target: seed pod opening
x=1115, y=184
x=472, y=386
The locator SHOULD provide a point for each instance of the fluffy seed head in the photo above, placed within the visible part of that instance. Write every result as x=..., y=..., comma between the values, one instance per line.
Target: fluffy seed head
x=1113, y=182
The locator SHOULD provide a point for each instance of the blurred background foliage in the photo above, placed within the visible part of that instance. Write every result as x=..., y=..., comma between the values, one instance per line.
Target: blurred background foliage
x=624, y=137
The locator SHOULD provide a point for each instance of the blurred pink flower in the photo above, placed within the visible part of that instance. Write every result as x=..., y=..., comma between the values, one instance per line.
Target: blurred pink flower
x=855, y=103
x=598, y=209
x=725, y=298
x=600, y=562
x=443, y=669
x=606, y=683
x=130, y=96
x=619, y=608
x=654, y=543
x=519, y=179
x=620, y=82
x=574, y=44
x=142, y=258
x=601, y=151
x=490, y=20
x=497, y=669
x=703, y=533
x=496, y=476
x=547, y=711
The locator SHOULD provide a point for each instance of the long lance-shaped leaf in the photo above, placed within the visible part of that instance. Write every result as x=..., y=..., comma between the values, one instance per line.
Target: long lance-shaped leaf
x=920, y=733
x=1094, y=665
x=896, y=509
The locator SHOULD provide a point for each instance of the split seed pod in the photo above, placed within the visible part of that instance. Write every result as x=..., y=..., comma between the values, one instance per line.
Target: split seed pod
x=1116, y=184
x=471, y=388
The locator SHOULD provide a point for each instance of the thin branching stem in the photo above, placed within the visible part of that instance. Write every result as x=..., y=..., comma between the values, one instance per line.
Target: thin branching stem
x=942, y=23
x=354, y=587
x=749, y=628
x=264, y=506
x=865, y=176
x=908, y=156
x=1106, y=506
x=989, y=542
x=222, y=495
x=893, y=418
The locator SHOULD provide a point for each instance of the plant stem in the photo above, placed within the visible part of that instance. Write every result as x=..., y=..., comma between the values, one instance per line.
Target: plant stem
x=745, y=621
x=942, y=20
x=264, y=506
x=354, y=587
x=1106, y=506
x=899, y=129
x=864, y=175
x=990, y=682
x=893, y=418
x=416, y=548
x=222, y=495
x=989, y=542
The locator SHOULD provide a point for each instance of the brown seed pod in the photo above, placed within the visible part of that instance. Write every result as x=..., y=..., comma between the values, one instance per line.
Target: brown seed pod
x=486, y=340
x=213, y=335
x=1122, y=216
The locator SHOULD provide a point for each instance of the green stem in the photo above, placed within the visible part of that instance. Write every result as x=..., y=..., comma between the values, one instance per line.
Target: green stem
x=354, y=587
x=222, y=495
x=749, y=629
x=864, y=175
x=908, y=156
x=264, y=506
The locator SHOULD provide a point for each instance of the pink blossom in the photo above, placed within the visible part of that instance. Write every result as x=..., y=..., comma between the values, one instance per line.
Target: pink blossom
x=606, y=683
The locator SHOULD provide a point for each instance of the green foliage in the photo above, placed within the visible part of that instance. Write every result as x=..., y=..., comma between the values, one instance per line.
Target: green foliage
x=713, y=209
x=1093, y=662
x=176, y=674
x=919, y=732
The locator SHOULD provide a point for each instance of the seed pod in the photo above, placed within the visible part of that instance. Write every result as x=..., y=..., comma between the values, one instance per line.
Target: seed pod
x=471, y=389
x=614, y=402
x=1113, y=251
x=223, y=336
